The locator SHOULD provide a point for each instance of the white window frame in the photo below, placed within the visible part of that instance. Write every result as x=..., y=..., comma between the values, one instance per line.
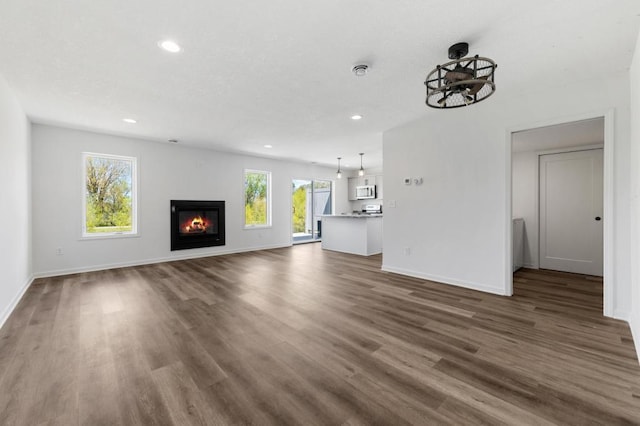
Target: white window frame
x=244, y=203
x=134, y=198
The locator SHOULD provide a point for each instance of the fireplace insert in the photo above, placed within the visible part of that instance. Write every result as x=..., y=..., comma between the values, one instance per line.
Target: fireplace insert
x=196, y=224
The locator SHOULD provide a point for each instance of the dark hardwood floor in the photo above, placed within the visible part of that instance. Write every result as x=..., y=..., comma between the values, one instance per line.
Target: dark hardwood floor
x=304, y=336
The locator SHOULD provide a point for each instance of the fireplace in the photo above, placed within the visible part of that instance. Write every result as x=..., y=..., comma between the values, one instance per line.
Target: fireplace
x=196, y=224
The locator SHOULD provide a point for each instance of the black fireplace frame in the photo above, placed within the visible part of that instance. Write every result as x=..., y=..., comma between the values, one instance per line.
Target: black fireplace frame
x=183, y=242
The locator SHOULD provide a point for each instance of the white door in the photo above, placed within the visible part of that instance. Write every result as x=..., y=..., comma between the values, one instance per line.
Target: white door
x=571, y=212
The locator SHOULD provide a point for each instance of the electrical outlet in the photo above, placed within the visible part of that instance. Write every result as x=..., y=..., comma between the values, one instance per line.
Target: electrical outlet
x=59, y=251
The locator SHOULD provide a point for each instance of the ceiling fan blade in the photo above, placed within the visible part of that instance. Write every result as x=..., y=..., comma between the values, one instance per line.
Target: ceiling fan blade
x=466, y=98
x=476, y=87
x=443, y=100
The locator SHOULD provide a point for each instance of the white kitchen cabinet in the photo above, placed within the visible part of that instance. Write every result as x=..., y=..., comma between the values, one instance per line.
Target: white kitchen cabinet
x=353, y=182
x=368, y=180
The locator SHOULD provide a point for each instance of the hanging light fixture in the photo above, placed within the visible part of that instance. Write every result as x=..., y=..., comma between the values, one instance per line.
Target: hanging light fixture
x=361, y=171
x=339, y=172
x=461, y=82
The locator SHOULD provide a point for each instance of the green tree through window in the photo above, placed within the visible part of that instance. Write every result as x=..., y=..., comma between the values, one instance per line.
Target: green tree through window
x=109, y=194
x=300, y=208
x=256, y=198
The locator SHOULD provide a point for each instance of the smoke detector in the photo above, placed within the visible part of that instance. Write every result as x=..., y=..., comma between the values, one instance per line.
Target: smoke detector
x=360, y=70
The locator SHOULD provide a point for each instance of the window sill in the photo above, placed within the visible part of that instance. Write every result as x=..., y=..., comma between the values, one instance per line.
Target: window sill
x=250, y=227
x=108, y=236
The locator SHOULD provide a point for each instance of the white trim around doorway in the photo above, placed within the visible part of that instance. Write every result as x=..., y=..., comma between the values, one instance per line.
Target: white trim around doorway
x=608, y=197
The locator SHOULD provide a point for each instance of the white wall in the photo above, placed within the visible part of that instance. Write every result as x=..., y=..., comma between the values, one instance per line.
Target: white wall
x=455, y=224
x=635, y=207
x=524, y=195
x=15, y=190
x=166, y=171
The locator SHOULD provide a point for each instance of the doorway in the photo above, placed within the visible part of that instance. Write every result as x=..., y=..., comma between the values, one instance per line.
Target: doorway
x=530, y=149
x=310, y=199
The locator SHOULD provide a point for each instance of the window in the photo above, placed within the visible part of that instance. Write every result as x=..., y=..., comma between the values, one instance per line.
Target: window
x=257, y=198
x=109, y=195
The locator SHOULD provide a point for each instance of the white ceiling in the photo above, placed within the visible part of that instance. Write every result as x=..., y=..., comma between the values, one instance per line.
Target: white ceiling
x=278, y=72
x=566, y=135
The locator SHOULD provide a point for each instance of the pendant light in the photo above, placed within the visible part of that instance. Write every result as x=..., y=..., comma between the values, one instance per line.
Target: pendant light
x=361, y=171
x=339, y=173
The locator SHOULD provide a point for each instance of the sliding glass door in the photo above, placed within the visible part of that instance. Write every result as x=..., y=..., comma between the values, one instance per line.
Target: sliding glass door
x=310, y=199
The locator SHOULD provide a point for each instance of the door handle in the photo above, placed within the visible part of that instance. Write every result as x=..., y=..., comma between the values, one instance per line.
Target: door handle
x=598, y=218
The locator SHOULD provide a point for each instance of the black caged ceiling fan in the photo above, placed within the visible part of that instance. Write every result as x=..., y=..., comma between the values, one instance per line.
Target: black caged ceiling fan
x=461, y=82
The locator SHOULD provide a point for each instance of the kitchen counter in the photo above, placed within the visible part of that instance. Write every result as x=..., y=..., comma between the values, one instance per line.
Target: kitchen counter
x=361, y=236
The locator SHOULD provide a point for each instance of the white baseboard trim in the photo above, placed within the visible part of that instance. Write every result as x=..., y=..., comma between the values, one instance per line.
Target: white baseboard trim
x=445, y=280
x=530, y=266
x=621, y=315
x=93, y=268
x=9, y=309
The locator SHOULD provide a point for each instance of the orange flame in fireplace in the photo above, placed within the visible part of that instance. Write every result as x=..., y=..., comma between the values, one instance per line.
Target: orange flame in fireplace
x=195, y=225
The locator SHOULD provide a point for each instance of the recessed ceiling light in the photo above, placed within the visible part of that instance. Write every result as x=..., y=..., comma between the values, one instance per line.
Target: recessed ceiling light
x=170, y=46
x=356, y=117
x=268, y=146
x=129, y=120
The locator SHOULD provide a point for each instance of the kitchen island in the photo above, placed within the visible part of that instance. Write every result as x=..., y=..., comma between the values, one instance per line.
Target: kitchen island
x=353, y=233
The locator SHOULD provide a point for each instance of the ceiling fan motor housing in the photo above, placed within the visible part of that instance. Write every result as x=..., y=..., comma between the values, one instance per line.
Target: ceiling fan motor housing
x=459, y=73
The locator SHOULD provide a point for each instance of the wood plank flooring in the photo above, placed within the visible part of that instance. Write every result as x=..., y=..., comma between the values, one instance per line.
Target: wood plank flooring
x=305, y=336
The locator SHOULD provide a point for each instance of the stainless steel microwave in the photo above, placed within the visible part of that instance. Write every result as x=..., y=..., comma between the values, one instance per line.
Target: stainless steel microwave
x=365, y=192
